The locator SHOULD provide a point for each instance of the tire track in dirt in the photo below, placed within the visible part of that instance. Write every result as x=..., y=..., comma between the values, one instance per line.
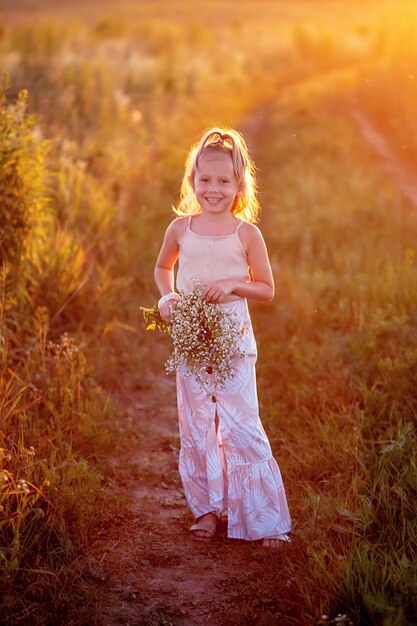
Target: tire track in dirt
x=402, y=174
x=341, y=81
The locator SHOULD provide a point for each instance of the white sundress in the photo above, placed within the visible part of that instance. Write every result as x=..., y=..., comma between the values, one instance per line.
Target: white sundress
x=227, y=467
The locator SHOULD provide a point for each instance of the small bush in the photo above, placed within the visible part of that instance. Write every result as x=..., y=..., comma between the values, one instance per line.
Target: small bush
x=23, y=205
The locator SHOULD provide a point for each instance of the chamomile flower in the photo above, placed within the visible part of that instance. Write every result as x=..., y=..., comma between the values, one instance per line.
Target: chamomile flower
x=205, y=338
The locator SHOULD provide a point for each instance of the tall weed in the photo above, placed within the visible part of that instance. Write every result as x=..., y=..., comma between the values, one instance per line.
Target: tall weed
x=53, y=414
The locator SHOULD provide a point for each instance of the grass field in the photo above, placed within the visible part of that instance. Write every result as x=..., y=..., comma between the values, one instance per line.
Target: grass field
x=91, y=159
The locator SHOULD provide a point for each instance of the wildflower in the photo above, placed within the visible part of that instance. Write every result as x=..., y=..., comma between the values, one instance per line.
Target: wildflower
x=205, y=338
x=22, y=485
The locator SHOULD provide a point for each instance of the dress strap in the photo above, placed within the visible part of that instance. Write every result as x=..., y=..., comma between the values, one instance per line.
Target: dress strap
x=239, y=225
x=186, y=230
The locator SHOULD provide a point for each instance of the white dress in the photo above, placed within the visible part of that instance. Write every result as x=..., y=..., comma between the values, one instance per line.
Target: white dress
x=226, y=464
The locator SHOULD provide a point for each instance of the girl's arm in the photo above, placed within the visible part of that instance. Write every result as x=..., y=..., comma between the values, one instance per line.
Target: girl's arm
x=168, y=254
x=164, y=267
x=261, y=288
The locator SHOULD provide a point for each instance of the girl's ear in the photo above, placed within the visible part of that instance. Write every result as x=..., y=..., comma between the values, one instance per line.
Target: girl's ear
x=240, y=190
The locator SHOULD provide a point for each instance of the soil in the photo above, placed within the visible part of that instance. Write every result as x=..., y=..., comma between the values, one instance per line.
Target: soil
x=157, y=574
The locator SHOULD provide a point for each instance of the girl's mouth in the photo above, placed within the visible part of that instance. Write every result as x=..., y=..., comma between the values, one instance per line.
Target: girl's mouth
x=213, y=200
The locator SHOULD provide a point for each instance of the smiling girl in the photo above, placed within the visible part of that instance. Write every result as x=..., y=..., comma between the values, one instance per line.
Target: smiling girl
x=225, y=461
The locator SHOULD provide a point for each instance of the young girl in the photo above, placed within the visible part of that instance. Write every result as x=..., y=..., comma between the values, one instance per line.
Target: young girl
x=225, y=461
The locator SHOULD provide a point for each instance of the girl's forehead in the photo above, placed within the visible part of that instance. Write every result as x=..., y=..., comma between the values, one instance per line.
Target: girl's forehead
x=214, y=160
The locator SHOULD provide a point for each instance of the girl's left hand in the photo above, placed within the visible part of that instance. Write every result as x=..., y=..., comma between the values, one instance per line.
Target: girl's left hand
x=217, y=290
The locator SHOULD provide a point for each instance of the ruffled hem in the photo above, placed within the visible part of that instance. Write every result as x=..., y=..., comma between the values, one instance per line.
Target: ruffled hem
x=255, y=501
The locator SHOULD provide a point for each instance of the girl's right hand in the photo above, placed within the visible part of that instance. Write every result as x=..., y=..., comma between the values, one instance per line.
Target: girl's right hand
x=167, y=308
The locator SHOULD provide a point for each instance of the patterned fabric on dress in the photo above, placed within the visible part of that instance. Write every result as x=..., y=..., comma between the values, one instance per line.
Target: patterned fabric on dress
x=230, y=468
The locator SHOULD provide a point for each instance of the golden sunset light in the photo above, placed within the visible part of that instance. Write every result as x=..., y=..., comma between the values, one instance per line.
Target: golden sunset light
x=224, y=192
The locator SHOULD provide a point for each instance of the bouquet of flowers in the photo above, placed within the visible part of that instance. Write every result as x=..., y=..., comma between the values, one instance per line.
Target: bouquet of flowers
x=205, y=338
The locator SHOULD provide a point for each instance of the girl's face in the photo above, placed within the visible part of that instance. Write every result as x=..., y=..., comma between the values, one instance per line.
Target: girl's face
x=215, y=184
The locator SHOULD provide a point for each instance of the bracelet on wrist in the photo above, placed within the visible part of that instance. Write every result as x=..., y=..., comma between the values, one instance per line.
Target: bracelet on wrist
x=167, y=297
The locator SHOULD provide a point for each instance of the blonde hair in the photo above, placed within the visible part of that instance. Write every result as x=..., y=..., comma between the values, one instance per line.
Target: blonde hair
x=226, y=141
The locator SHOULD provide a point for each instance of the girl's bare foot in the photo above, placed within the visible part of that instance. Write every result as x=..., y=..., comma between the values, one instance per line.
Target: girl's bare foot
x=275, y=543
x=205, y=527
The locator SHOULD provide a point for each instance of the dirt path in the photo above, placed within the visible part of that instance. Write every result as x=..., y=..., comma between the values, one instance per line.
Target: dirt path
x=163, y=577
x=157, y=575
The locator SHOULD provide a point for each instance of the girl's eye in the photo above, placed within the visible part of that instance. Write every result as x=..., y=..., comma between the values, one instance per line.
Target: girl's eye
x=224, y=181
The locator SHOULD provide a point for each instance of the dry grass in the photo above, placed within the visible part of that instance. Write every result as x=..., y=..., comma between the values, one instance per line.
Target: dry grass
x=337, y=364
